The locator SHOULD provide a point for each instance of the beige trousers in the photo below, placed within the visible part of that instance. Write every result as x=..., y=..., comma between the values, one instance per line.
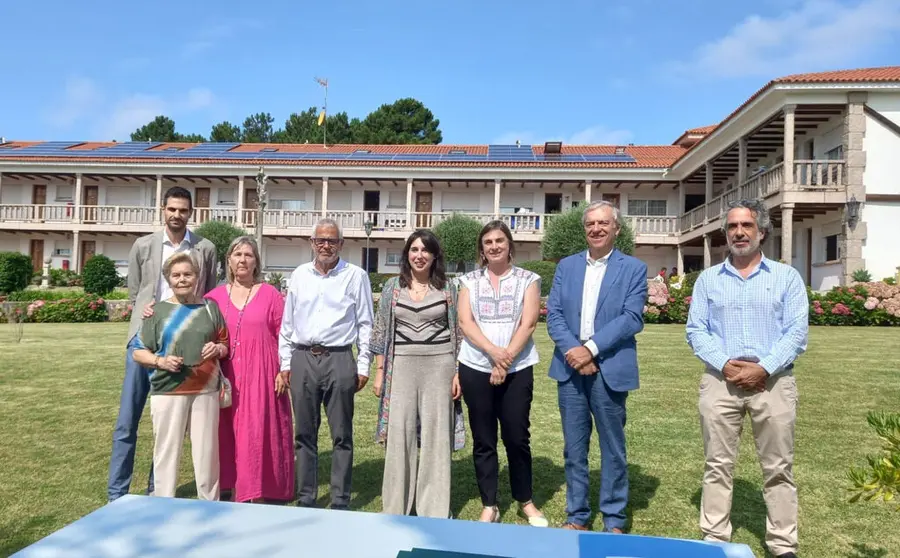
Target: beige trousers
x=170, y=414
x=773, y=414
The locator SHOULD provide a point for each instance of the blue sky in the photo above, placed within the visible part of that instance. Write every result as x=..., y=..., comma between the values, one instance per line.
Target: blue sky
x=580, y=71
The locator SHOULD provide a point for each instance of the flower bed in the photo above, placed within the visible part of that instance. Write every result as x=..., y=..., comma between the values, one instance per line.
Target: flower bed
x=85, y=308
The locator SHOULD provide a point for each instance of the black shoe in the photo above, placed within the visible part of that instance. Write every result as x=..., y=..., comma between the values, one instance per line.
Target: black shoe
x=787, y=555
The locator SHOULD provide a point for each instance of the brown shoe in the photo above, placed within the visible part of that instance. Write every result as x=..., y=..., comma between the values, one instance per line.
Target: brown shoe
x=574, y=527
x=615, y=530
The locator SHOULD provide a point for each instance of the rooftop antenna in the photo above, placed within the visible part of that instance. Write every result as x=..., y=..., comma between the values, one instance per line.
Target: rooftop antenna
x=322, y=115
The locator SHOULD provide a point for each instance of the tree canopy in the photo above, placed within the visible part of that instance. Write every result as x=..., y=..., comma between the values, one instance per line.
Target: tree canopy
x=565, y=235
x=405, y=121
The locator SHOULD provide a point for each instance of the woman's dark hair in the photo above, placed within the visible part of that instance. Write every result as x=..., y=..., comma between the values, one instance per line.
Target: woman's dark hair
x=495, y=225
x=432, y=244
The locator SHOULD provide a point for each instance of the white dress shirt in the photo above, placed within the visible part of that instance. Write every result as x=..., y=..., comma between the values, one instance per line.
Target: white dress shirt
x=332, y=310
x=163, y=290
x=590, y=297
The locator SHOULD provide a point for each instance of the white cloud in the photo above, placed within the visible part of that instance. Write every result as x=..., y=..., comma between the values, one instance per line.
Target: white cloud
x=89, y=112
x=199, y=98
x=206, y=38
x=594, y=135
x=810, y=35
x=80, y=97
x=128, y=115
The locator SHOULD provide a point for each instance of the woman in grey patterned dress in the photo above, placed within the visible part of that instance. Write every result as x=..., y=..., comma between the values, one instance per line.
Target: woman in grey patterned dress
x=415, y=341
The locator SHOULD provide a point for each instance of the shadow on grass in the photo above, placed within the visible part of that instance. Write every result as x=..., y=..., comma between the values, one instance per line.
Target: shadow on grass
x=748, y=508
x=862, y=550
x=642, y=488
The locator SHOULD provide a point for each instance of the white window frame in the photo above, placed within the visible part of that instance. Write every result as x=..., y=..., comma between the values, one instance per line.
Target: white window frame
x=645, y=210
x=392, y=257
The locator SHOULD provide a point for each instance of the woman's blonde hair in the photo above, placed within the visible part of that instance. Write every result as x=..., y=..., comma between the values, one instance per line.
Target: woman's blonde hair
x=180, y=257
x=240, y=241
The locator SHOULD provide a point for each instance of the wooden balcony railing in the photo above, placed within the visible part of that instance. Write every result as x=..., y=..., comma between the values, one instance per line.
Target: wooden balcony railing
x=820, y=175
x=663, y=226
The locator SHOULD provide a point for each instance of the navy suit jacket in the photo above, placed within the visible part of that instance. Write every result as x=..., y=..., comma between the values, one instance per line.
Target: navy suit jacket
x=619, y=318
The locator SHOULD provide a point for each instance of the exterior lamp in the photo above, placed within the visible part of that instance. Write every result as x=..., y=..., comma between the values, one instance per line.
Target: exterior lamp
x=368, y=228
x=852, y=207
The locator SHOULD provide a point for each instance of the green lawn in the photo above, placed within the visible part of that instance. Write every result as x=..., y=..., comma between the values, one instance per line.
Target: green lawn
x=59, y=390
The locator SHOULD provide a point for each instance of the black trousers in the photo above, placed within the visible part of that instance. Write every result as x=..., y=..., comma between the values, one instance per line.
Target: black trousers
x=328, y=379
x=510, y=404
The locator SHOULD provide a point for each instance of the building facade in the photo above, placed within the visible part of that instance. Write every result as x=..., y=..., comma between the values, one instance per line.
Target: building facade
x=819, y=148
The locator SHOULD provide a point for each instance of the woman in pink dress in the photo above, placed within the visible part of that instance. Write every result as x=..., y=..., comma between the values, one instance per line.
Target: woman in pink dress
x=256, y=433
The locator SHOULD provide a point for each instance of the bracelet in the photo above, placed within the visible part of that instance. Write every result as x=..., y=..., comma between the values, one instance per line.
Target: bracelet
x=156, y=362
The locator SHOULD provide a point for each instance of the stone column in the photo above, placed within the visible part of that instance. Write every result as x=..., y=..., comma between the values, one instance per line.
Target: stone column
x=158, y=217
x=709, y=190
x=853, y=237
x=588, y=184
x=789, y=146
x=324, y=196
x=707, y=251
x=679, y=259
x=497, y=183
x=76, y=252
x=1, y=185
x=240, y=202
x=409, y=202
x=76, y=217
x=742, y=161
x=787, y=232
x=682, y=193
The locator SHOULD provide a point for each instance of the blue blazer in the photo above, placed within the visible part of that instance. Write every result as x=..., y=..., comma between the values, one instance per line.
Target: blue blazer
x=619, y=318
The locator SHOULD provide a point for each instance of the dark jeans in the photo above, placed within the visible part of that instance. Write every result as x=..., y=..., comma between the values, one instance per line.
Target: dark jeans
x=328, y=379
x=510, y=404
x=135, y=389
x=582, y=398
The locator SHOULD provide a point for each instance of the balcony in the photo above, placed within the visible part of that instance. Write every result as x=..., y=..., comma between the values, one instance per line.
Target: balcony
x=385, y=224
x=809, y=176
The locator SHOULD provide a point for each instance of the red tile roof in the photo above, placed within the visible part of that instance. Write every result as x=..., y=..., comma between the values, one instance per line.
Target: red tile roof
x=350, y=148
x=877, y=75
x=702, y=129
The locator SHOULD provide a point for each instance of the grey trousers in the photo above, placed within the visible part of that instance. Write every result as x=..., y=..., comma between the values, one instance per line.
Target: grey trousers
x=328, y=379
x=420, y=389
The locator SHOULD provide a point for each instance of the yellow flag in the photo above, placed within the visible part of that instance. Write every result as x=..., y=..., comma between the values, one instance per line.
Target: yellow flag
x=321, y=117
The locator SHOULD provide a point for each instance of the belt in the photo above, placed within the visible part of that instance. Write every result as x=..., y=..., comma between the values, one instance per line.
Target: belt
x=319, y=350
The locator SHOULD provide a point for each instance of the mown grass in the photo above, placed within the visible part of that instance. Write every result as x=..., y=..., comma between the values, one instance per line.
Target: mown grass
x=59, y=392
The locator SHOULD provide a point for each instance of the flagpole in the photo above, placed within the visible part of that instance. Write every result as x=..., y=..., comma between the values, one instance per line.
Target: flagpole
x=324, y=83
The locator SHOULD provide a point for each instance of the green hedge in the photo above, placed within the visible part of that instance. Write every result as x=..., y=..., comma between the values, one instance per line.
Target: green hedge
x=47, y=295
x=378, y=280
x=15, y=271
x=545, y=269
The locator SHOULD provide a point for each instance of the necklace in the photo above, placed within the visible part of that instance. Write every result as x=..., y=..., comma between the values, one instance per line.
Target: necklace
x=237, y=330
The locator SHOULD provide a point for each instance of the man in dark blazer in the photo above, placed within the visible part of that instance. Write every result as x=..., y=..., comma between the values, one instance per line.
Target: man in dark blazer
x=146, y=286
x=595, y=310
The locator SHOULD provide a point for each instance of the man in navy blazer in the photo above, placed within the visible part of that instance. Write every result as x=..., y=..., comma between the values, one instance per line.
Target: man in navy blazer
x=595, y=310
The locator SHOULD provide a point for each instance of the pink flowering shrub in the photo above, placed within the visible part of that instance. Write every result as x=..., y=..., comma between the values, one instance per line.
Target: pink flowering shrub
x=863, y=304
x=85, y=308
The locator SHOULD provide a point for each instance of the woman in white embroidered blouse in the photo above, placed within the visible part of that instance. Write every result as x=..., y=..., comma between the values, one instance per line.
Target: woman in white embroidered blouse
x=498, y=311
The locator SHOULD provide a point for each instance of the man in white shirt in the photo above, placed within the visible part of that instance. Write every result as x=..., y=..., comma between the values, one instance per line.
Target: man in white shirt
x=594, y=312
x=328, y=308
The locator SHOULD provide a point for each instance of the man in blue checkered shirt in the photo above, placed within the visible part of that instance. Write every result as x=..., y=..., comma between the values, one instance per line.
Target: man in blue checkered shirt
x=748, y=322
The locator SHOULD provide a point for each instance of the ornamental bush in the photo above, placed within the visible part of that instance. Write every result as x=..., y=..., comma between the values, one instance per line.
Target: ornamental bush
x=543, y=268
x=99, y=275
x=86, y=308
x=15, y=272
x=565, y=235
x=221, y=233
x=459, y=238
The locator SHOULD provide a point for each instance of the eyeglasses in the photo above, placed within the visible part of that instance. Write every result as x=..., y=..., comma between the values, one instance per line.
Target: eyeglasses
x=320, y=242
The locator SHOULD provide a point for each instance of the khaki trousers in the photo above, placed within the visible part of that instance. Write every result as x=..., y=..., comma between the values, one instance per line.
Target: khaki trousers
x=773, y=414
x=170, y=414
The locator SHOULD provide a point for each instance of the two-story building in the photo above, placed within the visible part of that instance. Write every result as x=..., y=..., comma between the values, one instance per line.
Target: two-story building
x=819, y=148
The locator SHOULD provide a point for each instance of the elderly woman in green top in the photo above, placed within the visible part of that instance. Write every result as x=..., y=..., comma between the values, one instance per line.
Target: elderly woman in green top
x=182, y=343
x=415, y=339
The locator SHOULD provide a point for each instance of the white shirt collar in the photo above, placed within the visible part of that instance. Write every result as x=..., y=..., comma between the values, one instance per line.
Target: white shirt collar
x=187, y=238
x=599, y=261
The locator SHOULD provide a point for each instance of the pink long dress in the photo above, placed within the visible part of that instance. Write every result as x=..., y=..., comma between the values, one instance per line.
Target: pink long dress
x=256, y=433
